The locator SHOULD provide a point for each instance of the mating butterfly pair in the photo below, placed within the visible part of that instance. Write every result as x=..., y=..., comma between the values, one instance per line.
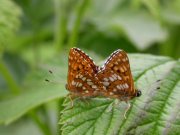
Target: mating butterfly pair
x=112, y=80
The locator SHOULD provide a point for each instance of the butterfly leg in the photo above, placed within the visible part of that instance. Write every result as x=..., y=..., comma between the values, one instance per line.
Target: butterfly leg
x=85, y=99
x=113, y=104
x=70, y=97
x=129, y=105
x=110, y=107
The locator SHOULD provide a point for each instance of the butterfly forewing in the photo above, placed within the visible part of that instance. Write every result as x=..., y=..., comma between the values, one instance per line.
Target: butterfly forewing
x=82, y=80
x=116, y=76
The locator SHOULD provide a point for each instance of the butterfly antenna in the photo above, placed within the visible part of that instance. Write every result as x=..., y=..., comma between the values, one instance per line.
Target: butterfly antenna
x=47, y=80
x=158, y=80
x=53, y=81
x=58, y=76
x=158, y=83
x=155, y=85
x=50, y=72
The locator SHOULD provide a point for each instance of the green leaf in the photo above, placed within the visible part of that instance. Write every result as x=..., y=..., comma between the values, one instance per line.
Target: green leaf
x=9, y=20
x=153, y=6
x=116, y=18
x=36, y=91
x=16, y=107
x=171, y=12
x=155, y=112
x=22, y=127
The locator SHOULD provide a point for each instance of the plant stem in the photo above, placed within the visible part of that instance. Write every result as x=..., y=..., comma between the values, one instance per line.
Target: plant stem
x=61, y=19
x=170, y=47
x=9, y=78
x=44, y=128
x=74, y=34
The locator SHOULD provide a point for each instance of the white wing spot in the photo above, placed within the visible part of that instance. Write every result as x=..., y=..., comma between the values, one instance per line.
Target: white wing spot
x=88, y=80
x=84, y=78
x=90, y=83
x=112, y=79
x=119, y=78
x=105, y=79
x=80, y=76
x=94, y=86
x=87, y=91
x=127, y=86
x=123, y=86
x=120, y=86
x=80, y=85
x=73, y=82
x=116, y=75
x=77, y=84
x=105, y=83
x=77, y=76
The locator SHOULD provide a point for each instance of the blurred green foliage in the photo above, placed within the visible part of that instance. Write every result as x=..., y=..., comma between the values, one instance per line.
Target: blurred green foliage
x=35, y=37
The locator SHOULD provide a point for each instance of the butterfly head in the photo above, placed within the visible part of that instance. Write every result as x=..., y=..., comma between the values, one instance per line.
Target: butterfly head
x=138, y=93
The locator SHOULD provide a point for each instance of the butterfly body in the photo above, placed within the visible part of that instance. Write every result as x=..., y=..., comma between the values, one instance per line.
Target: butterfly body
x=112, y=80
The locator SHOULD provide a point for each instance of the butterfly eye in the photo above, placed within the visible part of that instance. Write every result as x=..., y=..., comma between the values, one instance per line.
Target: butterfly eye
x=138, y=94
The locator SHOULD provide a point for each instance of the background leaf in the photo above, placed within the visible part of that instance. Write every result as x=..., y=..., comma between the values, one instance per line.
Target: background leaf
x=9, y=21
x=16, y=107
x=149, y=114
x=36, y=91
x=141, y=28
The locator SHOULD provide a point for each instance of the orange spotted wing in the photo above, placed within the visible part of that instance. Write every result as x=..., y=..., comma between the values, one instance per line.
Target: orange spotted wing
x=81, y=79
x=116, y=76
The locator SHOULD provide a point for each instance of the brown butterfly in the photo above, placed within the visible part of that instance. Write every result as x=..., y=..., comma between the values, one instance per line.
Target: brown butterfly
x=116, y=76
x=112, y=80
x=82, y=80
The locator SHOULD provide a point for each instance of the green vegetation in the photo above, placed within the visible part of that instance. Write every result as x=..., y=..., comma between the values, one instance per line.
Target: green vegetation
x=35, y=37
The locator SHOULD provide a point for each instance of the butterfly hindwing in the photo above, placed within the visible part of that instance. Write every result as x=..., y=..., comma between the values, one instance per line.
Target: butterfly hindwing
x=81, y=74
x=116, y=76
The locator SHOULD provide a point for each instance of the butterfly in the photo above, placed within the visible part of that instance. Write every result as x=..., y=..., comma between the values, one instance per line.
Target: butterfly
x=111, y=80
x=82, y=80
